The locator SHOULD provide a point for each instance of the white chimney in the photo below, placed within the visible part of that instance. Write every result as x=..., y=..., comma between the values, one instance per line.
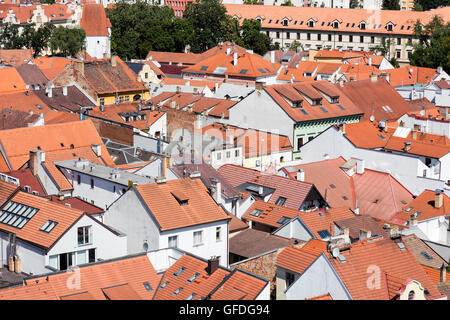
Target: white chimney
x=228, y=51
x=364, y=234
x=360, y=166
x=50, y=92
x=64, y=90
x=300, y=175
x=217, y=191
x=235, y=59
x=260, y=190
x=272, y=56
x=370, y=61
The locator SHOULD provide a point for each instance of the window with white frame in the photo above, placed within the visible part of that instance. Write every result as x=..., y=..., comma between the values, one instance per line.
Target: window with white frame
x=84, y=235
x=218, y=233
x=173, y=242
x=198, y=238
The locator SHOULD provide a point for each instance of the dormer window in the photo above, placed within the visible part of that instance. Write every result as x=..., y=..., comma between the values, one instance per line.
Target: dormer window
x=285, y=22
x=362, y=25
x=335, y=100
x=311, y=23
x=316, y=102
x=297, y=104
x=390, y=27
x=335, y=24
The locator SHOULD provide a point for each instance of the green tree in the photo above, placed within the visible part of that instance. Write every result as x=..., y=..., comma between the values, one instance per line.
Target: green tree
x=288, y=3
x=391, y=5
x=67, y=41
x=384, y=48
x=432, y=45
x=252, y=38
x=431, y=4
x=418, y=7
x=295, y=45
x=206, y=16
x=354, y=4
x=250, y=1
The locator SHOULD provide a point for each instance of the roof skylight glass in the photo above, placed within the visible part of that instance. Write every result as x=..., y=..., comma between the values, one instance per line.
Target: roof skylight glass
x=16, y=214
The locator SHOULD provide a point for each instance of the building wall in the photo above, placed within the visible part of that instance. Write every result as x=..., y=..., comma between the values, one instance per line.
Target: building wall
x=107, y=245
x=128, y=96
x=98, y=47
x=435, y=230
x=281, y=282
x=210, y=246
x=259, y=111
x=293, y=230
x=227, y=156
x=317, y=280
x=427, y=125
x=129, y=216
x=263, y=266
x=265, y=161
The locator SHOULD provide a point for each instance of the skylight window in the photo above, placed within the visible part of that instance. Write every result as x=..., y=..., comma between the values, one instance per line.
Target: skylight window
x=324, y=234
x=345, y=197
x=17, y=214
x=332, y=186
x=204, y=68
x=323, y=109
x=243, y=71
x=177, y=291
x=191, y=296
x=409, y=209
x=48, y=226
x=283, y=220
x=176, y=274
x=381, y=136
x=341, y=107
x=164, y=284
x=256, y=213
x=426, y=255
x=262, y=70
x=304, y=112
x=147, y=286
x=193, y=277
x=280, y=201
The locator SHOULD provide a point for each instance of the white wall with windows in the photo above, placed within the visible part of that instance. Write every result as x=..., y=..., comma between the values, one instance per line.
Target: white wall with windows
x=230, y=155
x=86, y=241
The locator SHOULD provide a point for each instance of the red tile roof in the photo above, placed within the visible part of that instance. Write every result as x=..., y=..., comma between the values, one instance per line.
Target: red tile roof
x=435, y=274
x=294, y=191
x=425, y=205
x=94, y=20
x=26, y=178
x=299, y=259
x=170, y=214
x=77, y=203
x=15, y=57
x=409, y=75
x=11, y=81
x=127, y=274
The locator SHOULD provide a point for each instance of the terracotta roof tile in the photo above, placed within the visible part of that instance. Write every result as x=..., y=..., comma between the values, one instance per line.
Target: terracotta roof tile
x=11, y=81
x=170, y=213
x=423, y=253
x=239, y=286
x=296, y=259
x=15, y=57
x=94, y=20
x=26, y=178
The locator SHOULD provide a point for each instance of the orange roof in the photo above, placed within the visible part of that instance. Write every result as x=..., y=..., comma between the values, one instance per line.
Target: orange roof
x=255, y=142
x=94, y=20
x=424, y=204
x=47, y=210
x=221, y=284
x=435, y=274
x=192, y=83
x=11, y=81
x=389, y=259
x=15, y=57
x=48, y=138
x=409, y=75
x=322, y=297
x=298, y=259
x=321, y=220
x=170, y=214
x=26, y=101
x=55, y=116
x=272, y=17
x=254, y=65
x=128, y=274
x=288, y=95
x=113, y=113
x=270, y=214
x=52, y=66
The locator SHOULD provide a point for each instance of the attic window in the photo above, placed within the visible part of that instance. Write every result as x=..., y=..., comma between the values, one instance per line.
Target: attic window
x=280, y=201
x=147, y=286
x=243, y=71
x=332, y=186
x=283, y=220
x=335, y=25
x=16, y=214
x=389, y=27
x=181, y=198
x=256, y=213
x=362, y=26
x=409, y=209
x=276, y=21
x=262, y=70
x=345, y=197
x=177, y=291
x=324, y=234
x=193, y=277
x=311, y=23
x=176, y=274
x=316, y=102
x=204, y=68
x=323, y=109
x=164, y=284
x=285, y=22
x=48, y=226
x=191, y=296
x=426, y=255
x=62, y=144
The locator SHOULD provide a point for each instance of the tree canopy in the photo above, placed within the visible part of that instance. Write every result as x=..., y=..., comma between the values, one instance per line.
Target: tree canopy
x=432, y=48
x=391, y=5
x=252, y=38
x=431, y=4
x=66, y=41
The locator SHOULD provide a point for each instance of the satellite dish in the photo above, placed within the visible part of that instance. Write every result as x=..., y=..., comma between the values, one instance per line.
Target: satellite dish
x=372, y=118
x=335, y=252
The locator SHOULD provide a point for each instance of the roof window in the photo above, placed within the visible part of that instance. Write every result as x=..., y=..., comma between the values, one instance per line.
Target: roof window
x=176, y=274
x=256, y=213
x=48, y=226
x=324, y=234
x=16, y=214
x=283, y=220
x=193, y=277
x=191, y=296
x=147, y=286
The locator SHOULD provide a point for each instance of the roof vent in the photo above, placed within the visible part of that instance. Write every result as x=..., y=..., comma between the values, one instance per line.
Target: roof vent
x=401, y=246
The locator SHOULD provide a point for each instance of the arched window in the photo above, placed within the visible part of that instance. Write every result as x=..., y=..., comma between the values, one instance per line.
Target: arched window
x=285, y=22
x=362, y=25
x=411, y=295
x=136, y=97
x=335, y=24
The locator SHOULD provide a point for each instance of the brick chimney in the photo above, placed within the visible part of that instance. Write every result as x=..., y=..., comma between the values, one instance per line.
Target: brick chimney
x=36, y=158
x=213, y=265
x=414, y=134
x=412, y=220
x=438, y=199
x=79, y=66
x=443, y=274
x=407, y=146
x=114, y=61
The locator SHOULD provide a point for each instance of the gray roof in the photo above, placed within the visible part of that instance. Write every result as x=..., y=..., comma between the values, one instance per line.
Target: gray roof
x=102, y=172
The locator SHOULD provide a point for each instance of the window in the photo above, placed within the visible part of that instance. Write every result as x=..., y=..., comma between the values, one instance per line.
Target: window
x=399, y=41
x=411, y=295
x=308, y=36
x=428, y=162
x=198, y=238
x=236, y=153
x=146, y=75
x=335, y=25
x=362, y=26
x=228, y=154
x=288, y=35
x=319, y=37
x=311, y=23
x=372, y=39
x=191, y=296
x=218, y=231
x=179, y=271
x=79, y=179
x=84, y=235
x=324, y=234
x=173, y=242
x=16, y=215
x=278, y=35
x=298, y=35
x=147, y=286
x=398, y=54
x=280, y=201
x=193, y=277
x=289, y=278
x=329, y=37
x=283, y=220
x=285, y=22
x=219, y=155
x=390, y=27
x=48, y=226
x=256, y=213
x=81, y=257
x=361, y=39
x=299, y=143
x=92, y=183
x=350, y=38
x=340, y=38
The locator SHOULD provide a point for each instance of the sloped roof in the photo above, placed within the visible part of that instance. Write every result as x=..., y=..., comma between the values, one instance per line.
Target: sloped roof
x=294, y=191
x=26, y=178
x=297, y=259
x=94, y=20
x=365, y=222
x=409, y=75
x=170, y=214
x=26, y=101
x=11, y=81
x=32, y=75
x=73, y=101
x=320, y=220
x=418, y=247
x=15, y=57
x=12, y=118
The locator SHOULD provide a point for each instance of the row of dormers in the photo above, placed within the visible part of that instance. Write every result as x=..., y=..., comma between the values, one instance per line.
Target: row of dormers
x=336, y=23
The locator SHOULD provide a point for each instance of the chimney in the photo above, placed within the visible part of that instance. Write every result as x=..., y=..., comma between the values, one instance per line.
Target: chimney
x=11, y=263
x=213, y=265
x=272, y=56
x=195, y=174
x=370, y=61
x=300, y=175
x=443, y=274
x=64, y=90
x=61, y=197
x=36, y=158
x=165, y=165
x=412, y=220
x=360, y=166
x=50, y=91
x=114, y=61
x=259, y=85
x=235, y=59
x=438, y=198
x=373, y=77
x=346, y=232
x=414, y=134
x=228, y=51
x=97, y=148
x=342, y=127
x=364, y=234
x=160, y=180
x=79, y=66
x=407, y=146
x=341, y=82
x=393, y=231
x=260, y=190
x=17, y=265
x=217, y=191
